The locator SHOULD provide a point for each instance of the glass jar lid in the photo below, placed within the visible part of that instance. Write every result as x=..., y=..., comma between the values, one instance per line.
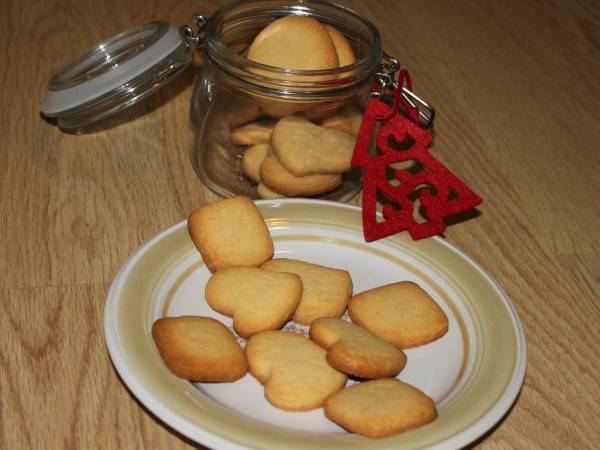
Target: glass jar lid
x=116, y=74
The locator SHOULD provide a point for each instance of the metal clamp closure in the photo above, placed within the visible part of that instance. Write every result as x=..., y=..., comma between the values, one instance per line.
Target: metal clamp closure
x=194, y=39
x=387, y=78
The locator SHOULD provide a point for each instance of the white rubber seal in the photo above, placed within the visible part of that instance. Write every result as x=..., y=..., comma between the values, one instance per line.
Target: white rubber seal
x=65, y=99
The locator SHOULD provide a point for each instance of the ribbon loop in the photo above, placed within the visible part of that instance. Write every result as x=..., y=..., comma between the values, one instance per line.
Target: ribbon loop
x=412, y=112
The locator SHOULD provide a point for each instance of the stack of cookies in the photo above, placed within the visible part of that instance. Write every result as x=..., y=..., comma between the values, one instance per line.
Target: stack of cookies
x=292, y=151
x=299, y=372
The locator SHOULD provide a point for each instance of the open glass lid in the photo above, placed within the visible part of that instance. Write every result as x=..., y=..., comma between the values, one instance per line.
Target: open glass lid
x=116, y=74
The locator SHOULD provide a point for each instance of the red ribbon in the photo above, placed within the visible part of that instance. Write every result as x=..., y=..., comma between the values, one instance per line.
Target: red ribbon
x=411, y=111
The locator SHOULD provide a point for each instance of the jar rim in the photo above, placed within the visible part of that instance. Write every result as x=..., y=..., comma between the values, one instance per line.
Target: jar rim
x=220, y=53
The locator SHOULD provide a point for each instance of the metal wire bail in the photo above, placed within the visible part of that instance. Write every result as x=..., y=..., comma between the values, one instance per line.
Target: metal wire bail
x=194, y=39
x=387, y=78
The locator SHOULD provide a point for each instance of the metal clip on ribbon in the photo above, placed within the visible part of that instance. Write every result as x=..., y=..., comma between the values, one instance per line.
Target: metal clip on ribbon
x=417, y=109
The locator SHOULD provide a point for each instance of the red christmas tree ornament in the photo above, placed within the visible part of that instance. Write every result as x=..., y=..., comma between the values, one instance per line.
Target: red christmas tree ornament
x=401, y=174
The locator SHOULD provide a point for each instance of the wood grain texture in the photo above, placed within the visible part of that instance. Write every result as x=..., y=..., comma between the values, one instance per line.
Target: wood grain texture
x=58, y=387
x=516, y=86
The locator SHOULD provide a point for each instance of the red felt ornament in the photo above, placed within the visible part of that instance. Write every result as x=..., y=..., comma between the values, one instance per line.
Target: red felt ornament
x=401, y=140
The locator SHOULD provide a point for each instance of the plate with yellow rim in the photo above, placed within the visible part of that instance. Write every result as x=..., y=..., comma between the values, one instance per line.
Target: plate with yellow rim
x=474, y=373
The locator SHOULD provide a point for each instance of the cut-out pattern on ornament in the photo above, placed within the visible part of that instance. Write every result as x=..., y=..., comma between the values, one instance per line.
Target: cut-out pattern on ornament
x=405, y=178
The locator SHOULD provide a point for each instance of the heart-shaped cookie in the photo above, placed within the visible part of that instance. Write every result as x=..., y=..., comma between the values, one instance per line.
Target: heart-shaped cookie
x=275, y=176
x=355, y=351
x=252, y=160
x=348, y=120
x=263, y=191
x=252, y=133
x=294, y=42
x=306, y=149
x=326, y=291
x=256, y=299
x=293, y=370
x=343, y=49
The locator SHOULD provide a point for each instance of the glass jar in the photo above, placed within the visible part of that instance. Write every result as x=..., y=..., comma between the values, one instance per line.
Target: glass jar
x=232, y=90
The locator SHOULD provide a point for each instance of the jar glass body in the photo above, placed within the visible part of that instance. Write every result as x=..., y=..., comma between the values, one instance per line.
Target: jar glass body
x=232, y=91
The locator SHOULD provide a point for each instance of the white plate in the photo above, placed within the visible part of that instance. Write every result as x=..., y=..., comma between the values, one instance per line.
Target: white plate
x=474, y=372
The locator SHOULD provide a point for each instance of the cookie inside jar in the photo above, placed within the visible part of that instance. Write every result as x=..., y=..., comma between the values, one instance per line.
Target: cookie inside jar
x=285, y=83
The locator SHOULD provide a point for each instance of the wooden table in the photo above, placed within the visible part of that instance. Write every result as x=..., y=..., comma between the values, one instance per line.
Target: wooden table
x=516, y=85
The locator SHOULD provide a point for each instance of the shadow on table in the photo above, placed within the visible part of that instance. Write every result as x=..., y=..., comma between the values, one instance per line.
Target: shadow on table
x=462, y=217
